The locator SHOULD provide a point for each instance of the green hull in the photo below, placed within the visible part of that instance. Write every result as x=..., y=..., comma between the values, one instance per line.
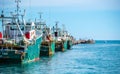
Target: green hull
x=47, y=48
x=24, y=55
x=65, y=45
x=10, y=56
x=61, y=45
x=58, y=46
x=69, y=44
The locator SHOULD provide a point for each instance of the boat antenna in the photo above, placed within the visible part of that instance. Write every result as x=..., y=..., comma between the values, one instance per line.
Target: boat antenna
x=63, y=29
x=2, y=15
x=17, y=7
x=22, y=15
x=56, y=25
x=40, y=13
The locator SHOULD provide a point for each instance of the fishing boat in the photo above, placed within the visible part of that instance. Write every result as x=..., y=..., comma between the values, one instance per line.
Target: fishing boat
x=66, y=40
x=69, y=41
x=48, y=44
x=60, y=39
x=18, y=41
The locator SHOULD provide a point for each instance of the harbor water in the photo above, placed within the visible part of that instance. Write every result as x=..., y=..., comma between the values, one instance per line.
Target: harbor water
x=103, y=57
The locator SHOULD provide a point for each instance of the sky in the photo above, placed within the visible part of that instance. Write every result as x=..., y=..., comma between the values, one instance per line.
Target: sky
x=94, y=19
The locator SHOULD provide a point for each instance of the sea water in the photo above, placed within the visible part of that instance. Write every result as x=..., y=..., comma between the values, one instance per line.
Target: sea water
x=103, y=57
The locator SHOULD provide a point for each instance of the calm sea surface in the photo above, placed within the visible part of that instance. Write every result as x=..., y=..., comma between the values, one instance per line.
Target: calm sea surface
x=100, y=58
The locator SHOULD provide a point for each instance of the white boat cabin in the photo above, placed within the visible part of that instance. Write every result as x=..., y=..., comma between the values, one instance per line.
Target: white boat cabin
x=12, y=31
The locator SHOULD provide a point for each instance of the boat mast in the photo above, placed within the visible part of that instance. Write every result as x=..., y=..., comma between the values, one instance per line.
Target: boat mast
x=17, y=14
x=40, y=13
x=44, y=25
x=64, y=34
x=18, y=8
x=56, y=25
x=56, y=30
x=2, y=16
x=22, y=15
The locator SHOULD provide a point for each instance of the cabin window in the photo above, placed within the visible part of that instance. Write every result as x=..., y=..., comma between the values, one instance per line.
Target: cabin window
x=13, y=28
x=22, y=28
x=16, y=28
x=43, y=32
x=28, y=24
x=28, y=28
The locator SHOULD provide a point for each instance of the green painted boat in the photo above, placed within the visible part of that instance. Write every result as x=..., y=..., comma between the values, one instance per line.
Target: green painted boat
x=19, y=40
x=32, y=51
x=22, y=51
x=47, y=48
x=20, y=54
x=61, y=41
x=48, y=45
